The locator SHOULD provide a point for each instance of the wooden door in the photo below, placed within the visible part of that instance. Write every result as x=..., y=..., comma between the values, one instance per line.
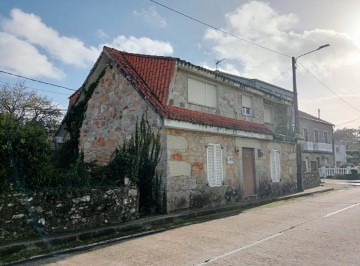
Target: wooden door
x=248, y=171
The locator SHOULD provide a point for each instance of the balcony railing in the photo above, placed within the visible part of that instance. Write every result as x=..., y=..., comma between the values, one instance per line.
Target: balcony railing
x=317, y=146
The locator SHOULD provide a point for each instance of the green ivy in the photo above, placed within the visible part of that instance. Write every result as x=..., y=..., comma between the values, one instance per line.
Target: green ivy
x=69, y=151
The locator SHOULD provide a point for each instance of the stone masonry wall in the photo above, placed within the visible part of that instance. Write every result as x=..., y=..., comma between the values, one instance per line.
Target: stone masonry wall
x=111, y=116
x=311, y=179
x=46, y=213
x=228, y=99
x=186, y=172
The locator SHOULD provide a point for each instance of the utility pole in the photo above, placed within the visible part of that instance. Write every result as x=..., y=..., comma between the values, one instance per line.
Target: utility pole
x=299, y=173
x=297, y=126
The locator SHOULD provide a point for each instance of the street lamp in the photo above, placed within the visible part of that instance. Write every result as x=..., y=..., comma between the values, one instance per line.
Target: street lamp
x=297, y=128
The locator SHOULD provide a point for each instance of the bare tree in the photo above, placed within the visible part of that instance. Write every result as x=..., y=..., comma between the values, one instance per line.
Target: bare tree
x=25, y=105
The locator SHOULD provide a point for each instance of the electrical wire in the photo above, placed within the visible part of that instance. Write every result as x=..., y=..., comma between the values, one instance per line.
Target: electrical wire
x=32, y=88
x=282, y=73
x=36, y=80
x=218, y=29
x=348, y=122
x=327, y=87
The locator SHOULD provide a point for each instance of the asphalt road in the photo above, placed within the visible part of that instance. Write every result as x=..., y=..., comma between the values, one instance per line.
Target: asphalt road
x=318, y=230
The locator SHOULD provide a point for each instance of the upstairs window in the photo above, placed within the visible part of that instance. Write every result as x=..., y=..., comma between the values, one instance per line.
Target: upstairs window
x=246, y=105
x=214, y=165
x=325, y=137
x=306, y=136
x=316, y=136
x=267, y=114
x=201, y=93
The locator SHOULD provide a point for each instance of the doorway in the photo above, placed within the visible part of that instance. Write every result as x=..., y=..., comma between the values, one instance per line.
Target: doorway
x=248, y=161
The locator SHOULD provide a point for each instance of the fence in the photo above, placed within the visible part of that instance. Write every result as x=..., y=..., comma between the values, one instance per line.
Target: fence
x=324, y=172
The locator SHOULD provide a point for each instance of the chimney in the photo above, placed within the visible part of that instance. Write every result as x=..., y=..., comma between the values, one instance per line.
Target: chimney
x=319, y=113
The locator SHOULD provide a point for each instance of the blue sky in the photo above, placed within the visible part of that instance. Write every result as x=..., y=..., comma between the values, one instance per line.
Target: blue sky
x=59, y=41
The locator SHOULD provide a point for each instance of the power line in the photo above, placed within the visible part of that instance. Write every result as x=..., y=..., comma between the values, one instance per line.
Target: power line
x=43, y=82
x=282, y=73
x=327, y=87
x=32, y=88
x=348, y=122
x=218, y=29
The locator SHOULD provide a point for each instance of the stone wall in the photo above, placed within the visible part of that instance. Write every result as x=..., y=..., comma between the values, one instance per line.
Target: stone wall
x=47, y=213
x=186, y=172
x=311, y=179
x=111, y=117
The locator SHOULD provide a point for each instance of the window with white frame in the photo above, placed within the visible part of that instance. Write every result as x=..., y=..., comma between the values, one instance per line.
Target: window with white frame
x=214, y=165
x=202, y=93
x=275, y=165
x=246, y=102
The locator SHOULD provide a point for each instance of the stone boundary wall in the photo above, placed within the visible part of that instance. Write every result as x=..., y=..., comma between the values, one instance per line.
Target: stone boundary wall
x=311, y=179
x=46, y=213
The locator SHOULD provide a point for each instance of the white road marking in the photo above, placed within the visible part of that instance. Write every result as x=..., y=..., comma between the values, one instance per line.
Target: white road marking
x=332, y=213
x=239, y=249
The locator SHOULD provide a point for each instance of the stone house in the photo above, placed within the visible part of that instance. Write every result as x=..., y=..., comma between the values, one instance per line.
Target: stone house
x=318, y=146
x=216, y=132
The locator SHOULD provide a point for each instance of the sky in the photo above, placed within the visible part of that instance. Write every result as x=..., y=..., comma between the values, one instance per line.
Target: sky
x=58, y=42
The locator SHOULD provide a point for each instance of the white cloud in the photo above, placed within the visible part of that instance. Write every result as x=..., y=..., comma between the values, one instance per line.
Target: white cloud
x=151, y=16
x=336, y=66
x=101, y=35
x=141, y=45
x=259, y=23
x=23, y=58
x=68, y=50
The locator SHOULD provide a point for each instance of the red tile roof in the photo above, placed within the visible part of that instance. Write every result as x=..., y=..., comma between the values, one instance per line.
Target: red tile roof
x=152, y=76
x=186, y=115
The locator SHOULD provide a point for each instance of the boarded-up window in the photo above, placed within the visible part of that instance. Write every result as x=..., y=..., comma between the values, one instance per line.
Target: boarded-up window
x=275, y=165
x=201, y=93
x=246, y=102
x=214, y=165
x=267, y=114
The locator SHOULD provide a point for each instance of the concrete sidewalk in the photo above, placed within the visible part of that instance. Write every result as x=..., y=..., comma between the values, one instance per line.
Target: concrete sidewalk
x=141, y=227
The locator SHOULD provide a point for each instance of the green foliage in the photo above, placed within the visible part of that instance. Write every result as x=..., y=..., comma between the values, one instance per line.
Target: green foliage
x=25, y=152
x=73, y=122
x=348, y=134
x=145, y=146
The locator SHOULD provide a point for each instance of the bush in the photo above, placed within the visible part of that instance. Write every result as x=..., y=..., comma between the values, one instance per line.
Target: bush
x=25, y=153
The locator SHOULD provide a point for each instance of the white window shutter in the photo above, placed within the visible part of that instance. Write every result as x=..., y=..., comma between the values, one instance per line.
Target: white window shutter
x=210, y=164
x=277, y=166
x=246, y=101
x=214, y=165
x=218, y=165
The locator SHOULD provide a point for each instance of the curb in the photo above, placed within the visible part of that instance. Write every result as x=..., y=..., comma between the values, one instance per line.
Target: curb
x=144, y=224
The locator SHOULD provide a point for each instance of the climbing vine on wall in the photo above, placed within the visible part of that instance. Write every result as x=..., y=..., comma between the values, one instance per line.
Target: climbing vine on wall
x=69, y=151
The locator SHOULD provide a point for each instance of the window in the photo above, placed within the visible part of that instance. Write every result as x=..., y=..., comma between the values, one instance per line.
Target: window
x=306, y=136
x=201, y=93
x=267, y=114
x=214, y=165
x=325, y=137
x=246, y=105
x=275, y=165
x=316, y=136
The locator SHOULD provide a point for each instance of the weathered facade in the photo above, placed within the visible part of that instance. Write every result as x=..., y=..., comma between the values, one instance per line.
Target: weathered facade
x=217, y=133
x=318, y=146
